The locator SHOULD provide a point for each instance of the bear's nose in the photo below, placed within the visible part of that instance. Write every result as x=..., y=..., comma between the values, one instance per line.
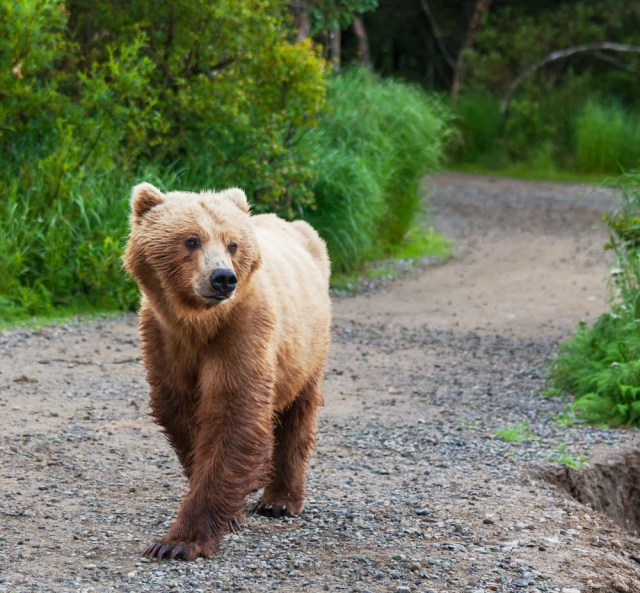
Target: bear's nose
x=223, y=280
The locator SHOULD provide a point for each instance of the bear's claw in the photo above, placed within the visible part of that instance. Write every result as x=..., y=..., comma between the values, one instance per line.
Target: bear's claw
x=271, y=510
x=162, y=550
x=234, y=526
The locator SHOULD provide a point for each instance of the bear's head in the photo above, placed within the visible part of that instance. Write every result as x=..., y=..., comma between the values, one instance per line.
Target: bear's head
x=191, y=251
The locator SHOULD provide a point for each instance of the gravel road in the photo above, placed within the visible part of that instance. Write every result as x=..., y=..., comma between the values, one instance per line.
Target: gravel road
x=410, y=490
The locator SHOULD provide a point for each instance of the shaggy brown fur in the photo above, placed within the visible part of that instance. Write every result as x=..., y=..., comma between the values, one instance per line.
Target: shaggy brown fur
x=235, y=374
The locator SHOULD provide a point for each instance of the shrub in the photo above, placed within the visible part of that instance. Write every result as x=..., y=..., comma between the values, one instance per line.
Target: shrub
x=600, y=365
x=373, y=145
x=479, y=121
x=94, y=97
x=607, y=138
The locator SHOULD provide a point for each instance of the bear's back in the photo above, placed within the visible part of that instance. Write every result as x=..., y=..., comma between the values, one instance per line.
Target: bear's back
x=272, y=230
x=294, y=280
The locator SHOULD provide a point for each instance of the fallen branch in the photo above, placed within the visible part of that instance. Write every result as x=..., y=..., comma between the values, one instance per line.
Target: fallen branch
x=559, y=55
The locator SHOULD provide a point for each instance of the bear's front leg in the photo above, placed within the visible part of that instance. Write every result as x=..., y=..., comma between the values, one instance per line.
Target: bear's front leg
x=232, y=447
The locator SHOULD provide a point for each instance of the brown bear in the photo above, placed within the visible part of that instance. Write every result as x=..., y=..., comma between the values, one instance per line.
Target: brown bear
x=234, y=325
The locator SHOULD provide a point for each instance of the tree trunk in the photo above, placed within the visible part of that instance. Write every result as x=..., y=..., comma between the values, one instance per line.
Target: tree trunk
x=364, y=57
x=481, y=7
x=335, y=38
x=301, y=21
x=437, y=34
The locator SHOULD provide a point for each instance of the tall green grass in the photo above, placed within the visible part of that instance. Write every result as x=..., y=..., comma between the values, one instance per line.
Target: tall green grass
x=600, y=365
x=562, y=133
x=478, y=118
x=376, y=141
x=607, y=138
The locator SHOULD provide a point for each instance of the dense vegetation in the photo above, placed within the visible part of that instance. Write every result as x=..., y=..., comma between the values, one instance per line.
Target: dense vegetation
x=575, y=114
x=99, y=95
x=600, y=366
x=374, y=144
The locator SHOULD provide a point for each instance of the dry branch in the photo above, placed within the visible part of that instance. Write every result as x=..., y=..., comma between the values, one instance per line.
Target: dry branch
x=558, y=55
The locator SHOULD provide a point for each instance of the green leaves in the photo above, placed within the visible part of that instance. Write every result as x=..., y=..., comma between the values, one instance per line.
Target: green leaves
x=376, y=141
x=336, y=14
x=600, y=366
x=199, y=94
x=188, y=94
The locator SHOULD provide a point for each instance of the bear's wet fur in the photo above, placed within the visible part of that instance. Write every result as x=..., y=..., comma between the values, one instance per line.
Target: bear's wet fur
x=234, y=326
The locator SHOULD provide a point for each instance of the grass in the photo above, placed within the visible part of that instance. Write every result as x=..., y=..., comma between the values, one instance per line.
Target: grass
x=600, y=365
x=574, y=461
x=417, y=244
x=607, y=138
x=515, y=433
x=558, y=137
x=376, y=141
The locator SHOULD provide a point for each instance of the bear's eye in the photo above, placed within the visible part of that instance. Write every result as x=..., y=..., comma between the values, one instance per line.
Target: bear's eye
x=192, y=243
x=233, y=247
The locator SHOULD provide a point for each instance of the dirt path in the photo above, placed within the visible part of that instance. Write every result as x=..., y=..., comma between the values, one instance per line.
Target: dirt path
x=410, y=489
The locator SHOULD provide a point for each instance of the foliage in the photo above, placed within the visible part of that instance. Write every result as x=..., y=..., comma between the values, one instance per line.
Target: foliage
x=336, y=14
x=229, y=85
x=599, y=136
x=478, y=118
x=99, y=95
x=515, y=433
x=607, y=138
x=517, y=35
x=577, y=114
x=373, y=145
x=600, y=365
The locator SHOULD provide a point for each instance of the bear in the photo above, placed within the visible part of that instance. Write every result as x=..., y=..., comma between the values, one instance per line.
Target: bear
x=234, y=327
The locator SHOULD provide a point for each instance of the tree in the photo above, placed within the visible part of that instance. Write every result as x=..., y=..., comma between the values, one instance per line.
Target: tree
x=480, y=9
x=325, y=20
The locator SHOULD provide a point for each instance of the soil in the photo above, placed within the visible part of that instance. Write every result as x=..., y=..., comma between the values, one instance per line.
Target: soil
x=411, y=488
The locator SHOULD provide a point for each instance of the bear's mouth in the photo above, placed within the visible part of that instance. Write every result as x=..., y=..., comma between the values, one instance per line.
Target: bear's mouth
x=218, y=297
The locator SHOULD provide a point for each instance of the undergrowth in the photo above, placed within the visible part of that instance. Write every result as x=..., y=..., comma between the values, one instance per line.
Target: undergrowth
x=566, y=136
x=72, y=144
x=600, y=365
x=373, y=145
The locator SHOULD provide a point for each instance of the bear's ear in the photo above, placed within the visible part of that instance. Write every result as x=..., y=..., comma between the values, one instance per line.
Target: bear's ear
x=237, y=196
x=144, y=197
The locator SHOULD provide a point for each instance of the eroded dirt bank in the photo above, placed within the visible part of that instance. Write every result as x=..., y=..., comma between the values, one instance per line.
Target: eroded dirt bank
x=410, y=489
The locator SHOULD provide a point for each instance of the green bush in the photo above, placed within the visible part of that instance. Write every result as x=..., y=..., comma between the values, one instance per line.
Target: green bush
x=600, y=365
x=559, y=131
x=607, y=138
x=96, y=97
x=479, y=120
x=373, y=145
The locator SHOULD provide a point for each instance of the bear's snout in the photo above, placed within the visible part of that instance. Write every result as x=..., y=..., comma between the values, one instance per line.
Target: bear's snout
x=223, y=282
